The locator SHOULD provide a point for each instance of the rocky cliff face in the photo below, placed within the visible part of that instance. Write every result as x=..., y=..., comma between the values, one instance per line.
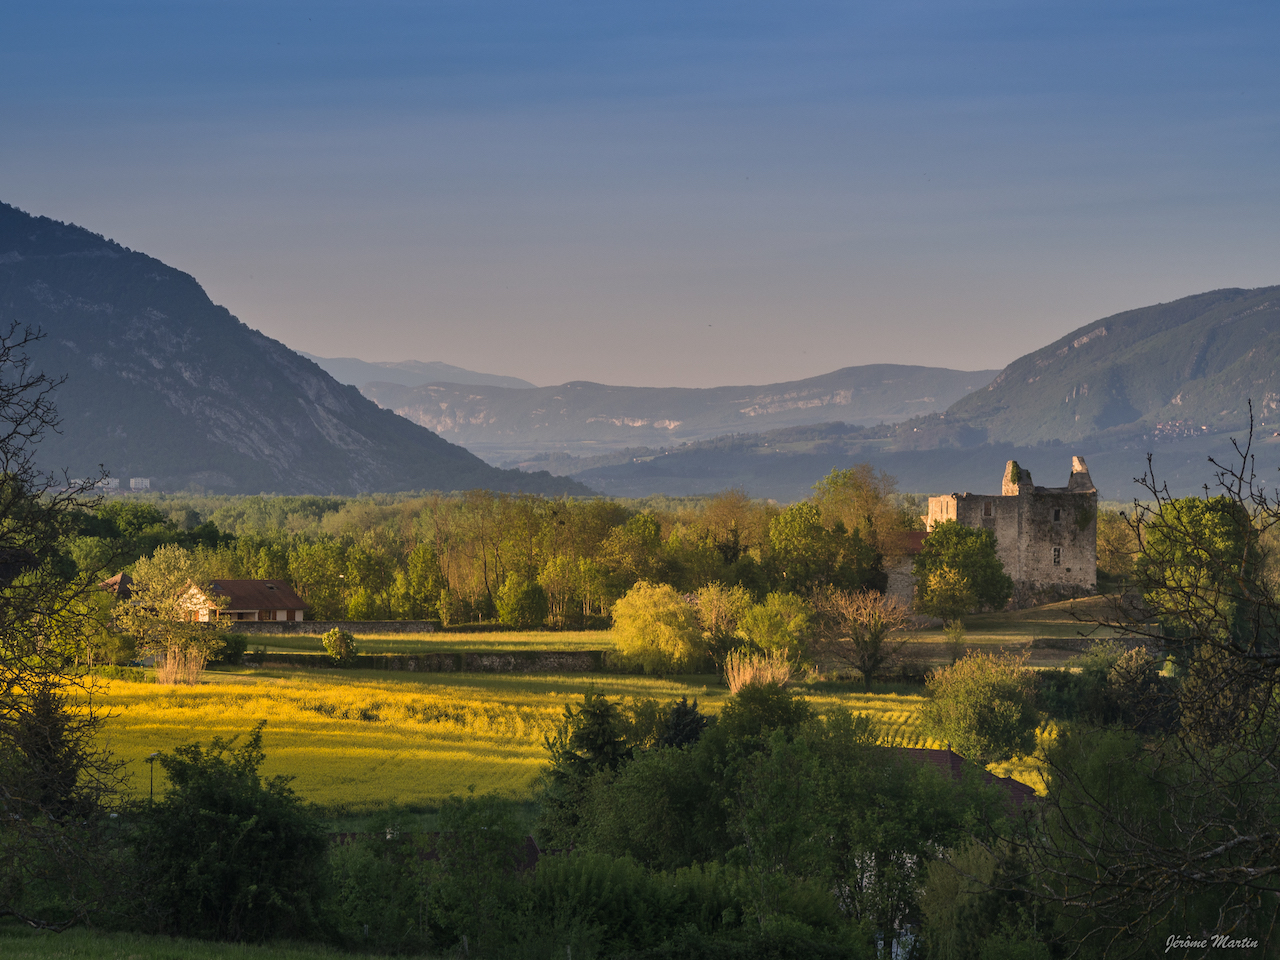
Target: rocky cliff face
x=162, y=383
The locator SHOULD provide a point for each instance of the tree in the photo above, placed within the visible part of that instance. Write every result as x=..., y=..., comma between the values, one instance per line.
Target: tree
x=225, y=854
x=158, y=614
x=56, y=784
x=984, y=707
x=658, y=628
x=720, y=611
x=865, y=500
x=968, y=553
x=1117, y=545
x=807, y=555
x=780, y=625
x=858, y=628
x=522, y=603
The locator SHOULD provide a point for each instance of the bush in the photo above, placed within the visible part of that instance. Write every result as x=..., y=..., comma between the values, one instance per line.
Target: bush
x=225, y=855
x=522, y=603
x=377, y=896
x=232, y=650
x=341, y=647
x=984, y=706
x=957, y=570
x=656, y=628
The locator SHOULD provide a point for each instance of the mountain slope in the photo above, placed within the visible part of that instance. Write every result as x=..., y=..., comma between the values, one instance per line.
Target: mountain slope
x=162, y=383
x=1168, y=371
x=408, y=373
x=502, y=423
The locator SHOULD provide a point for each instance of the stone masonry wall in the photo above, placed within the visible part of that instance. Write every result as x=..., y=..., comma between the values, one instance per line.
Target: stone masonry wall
x=308, y=627
x=1046, y=537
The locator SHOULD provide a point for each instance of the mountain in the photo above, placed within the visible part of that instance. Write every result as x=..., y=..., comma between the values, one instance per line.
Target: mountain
x=162, y=383
x=502, y=423
x=408, y=373
x=1173, y=380
x=785, y=464
x=1171, y=371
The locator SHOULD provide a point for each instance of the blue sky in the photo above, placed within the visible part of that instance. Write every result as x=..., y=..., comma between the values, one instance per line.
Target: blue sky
x=660, y=193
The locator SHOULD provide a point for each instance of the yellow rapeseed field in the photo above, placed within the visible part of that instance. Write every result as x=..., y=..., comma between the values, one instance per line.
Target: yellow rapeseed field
x=363, y=739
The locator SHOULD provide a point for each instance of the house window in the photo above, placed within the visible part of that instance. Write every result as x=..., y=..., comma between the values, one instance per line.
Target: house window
x=1057, y=556
x=986, y=509
x=1057, y=515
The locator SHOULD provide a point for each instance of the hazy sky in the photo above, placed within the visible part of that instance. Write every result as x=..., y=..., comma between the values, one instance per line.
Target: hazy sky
x=660, y=193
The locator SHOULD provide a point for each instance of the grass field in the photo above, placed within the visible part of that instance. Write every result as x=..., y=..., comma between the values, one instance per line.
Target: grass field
x=20, y=943
x=365, y=740
x=445, y=642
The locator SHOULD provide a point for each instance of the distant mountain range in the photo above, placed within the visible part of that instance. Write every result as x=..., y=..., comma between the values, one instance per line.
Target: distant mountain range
x=581, y=417
x=1173, y=370
x=161, y=383
x=408, y=373
x=1174, y=380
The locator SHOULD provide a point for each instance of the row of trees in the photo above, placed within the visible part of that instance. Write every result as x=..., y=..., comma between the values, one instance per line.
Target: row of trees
x=523, y=560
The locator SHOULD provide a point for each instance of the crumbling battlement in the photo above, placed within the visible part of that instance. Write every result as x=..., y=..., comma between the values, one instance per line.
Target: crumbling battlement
x=1046, y=537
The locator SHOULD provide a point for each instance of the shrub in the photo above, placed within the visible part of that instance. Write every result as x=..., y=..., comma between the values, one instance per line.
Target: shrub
x=743, y=667
x=232, y=651
x=226, y=855
x=957, y=570
x=955, y=642
x=341, y=647
x=656, y=628
x=984, y=706
x=522, y=603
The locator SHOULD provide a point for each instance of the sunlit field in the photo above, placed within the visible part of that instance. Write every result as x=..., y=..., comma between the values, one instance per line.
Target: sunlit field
x=460, y=642
x=363, y=740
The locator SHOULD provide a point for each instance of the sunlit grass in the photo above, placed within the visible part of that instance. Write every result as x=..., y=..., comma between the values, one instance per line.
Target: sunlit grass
x=443, y=641
x=366, y=739
x=19, y=943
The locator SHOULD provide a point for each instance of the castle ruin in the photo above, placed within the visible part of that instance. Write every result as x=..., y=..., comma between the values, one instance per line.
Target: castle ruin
x=1046, y=537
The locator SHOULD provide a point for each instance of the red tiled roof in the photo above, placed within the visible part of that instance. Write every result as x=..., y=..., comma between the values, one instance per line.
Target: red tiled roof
x=257, y=595
x=952, y=765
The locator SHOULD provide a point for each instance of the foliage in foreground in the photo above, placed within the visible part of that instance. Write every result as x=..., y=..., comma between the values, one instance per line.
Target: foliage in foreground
x=226, y=855
x=984, y=707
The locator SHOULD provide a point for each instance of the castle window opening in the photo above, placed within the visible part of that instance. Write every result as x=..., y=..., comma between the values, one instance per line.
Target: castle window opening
x=1057, y=555
x=1057, y=515
x=986, y=509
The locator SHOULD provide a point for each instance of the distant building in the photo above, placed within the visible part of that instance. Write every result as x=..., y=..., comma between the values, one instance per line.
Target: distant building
x=244, y=600
x=951, y=765
x=108, y=484
x=1046, y=537
x=120, y=586
x=139, y=483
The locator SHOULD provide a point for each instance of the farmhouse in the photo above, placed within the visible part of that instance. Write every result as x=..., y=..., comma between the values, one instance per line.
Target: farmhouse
x=1046, y=537
x=244, y=600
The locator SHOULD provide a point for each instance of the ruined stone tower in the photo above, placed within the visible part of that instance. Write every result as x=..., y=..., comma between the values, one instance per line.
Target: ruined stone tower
x=1046, y=537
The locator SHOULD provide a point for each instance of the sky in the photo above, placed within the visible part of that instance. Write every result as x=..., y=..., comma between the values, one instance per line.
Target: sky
x=660, y=193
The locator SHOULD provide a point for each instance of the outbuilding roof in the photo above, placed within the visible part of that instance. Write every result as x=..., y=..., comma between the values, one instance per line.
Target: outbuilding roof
x=952, y=765
x=257, y=595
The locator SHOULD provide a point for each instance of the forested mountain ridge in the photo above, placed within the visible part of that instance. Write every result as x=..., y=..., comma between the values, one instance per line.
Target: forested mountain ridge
x=579, y=416
x=162, y=383
x=1171, y=371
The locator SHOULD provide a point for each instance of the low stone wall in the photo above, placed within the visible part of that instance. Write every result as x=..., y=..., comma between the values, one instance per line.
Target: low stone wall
x=306, y=627
x=501, y=661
